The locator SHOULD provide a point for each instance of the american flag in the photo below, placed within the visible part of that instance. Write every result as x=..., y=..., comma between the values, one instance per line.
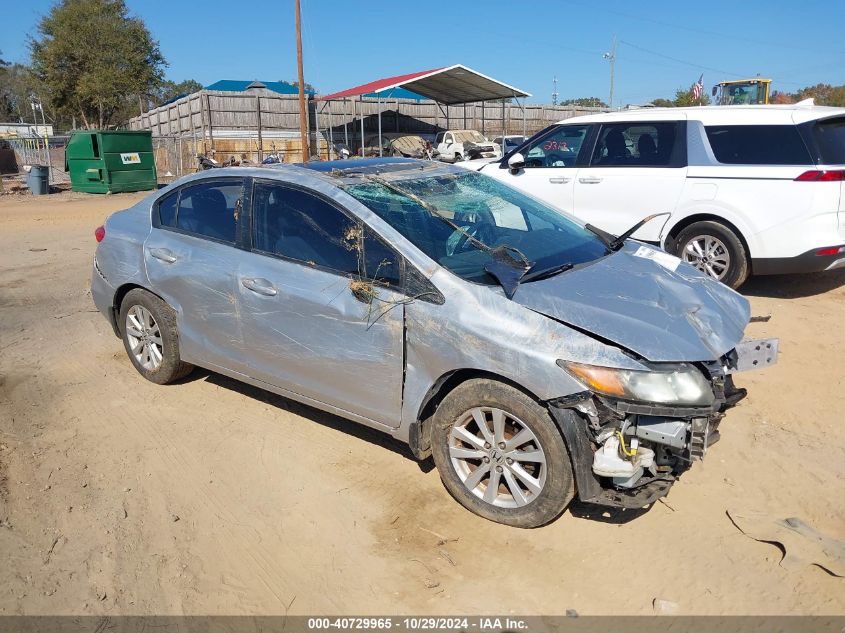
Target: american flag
x=697, y=88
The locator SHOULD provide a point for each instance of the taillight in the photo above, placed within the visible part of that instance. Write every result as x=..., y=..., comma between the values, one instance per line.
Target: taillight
x=833, y=250
x=822, y=175
x=100, y=233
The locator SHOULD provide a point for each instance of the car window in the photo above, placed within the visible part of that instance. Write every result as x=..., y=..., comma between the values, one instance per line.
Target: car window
x=558, y=149
x=167, y=209
x=382, y=263
x=830, y=137
x=635, y=144
x=758, y=145
x=483, y=209
x=439, y=138
x=209, y=209
x=298, y=225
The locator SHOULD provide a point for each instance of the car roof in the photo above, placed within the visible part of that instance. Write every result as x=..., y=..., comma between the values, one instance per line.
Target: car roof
x=719, y=115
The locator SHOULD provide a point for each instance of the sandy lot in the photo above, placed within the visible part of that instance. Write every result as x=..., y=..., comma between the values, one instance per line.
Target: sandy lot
x=118, y=496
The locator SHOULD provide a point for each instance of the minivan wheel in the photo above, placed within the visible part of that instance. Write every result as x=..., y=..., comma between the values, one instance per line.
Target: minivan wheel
x=715, y=250
x=500, y=455
x=148, y=328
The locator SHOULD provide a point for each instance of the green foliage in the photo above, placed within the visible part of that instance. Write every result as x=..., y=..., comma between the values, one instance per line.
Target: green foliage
x=96, y=60
x=824, y=94
x=683, y=97
x=585, y=102
x=663, y=103
x=170, y=89
x=295, y=84
x=17, y=84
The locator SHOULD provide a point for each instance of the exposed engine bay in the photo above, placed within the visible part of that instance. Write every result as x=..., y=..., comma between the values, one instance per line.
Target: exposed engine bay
x=628, y=454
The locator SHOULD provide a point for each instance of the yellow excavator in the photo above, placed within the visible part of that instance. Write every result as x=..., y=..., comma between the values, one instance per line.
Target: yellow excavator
x=742, y=91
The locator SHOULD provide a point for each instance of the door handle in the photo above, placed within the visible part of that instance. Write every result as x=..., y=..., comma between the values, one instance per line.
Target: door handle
x=259, y=285
x=163, y=254
x=591, y=180
x=559, y=181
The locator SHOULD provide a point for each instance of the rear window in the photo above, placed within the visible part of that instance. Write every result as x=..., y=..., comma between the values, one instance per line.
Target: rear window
x=830, y=137
x=758, y=145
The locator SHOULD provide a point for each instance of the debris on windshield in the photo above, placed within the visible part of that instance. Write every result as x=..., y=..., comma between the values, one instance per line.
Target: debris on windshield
x=507, y=269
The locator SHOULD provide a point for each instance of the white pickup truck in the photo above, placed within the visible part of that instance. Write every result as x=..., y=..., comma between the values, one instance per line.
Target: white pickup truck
x=457, y=145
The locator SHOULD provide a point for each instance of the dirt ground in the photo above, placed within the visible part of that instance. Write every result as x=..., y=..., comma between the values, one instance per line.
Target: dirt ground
x=118, y=496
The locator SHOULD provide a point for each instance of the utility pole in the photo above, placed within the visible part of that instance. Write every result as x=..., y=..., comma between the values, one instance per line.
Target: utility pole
x=554, y=91
x=611, y=57
x=303, y=129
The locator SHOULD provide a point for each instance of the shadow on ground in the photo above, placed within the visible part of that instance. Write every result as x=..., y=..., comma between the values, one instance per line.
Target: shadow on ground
x=793, y=286
x=329, y=420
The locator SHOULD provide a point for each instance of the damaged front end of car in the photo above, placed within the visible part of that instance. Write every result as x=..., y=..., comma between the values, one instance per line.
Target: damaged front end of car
x=631, y=434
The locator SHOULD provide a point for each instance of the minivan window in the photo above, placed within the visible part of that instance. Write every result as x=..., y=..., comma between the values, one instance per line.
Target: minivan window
x=558, y=149
x=209, y=209
x=830, y=137
x=758, y=145
x=636, y=144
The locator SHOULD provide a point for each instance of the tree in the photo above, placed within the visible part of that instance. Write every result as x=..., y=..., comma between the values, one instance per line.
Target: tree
x=169, y=90
x=295, y=84
x=824, y=94
x=585, y=102
x=684, y=97
x=17, y=85
x=95, y=59
x=663, y=103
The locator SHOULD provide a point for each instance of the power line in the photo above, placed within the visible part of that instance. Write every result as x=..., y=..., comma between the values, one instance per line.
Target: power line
x=699, y=66
x=778, y=44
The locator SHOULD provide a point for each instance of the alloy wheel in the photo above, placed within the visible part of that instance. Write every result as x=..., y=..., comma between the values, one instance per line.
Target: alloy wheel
x=709, y=254
x=144, y=337
x=497, y=457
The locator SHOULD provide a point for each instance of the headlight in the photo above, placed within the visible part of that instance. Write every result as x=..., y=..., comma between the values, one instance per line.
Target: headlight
x=676, y=384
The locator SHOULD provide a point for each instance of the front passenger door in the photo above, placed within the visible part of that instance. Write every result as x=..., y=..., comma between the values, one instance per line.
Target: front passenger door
x=310, y=326
x=551, y=165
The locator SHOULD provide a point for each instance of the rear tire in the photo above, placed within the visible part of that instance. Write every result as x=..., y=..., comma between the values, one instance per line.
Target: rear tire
x=458, y=158
x=525, y=458
x=715, y=250
x=148, y=330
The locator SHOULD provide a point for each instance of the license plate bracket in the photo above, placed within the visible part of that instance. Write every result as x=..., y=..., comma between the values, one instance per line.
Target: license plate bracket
x=756, y=354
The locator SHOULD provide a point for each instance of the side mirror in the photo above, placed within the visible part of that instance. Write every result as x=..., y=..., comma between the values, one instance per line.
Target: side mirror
x=516, y=162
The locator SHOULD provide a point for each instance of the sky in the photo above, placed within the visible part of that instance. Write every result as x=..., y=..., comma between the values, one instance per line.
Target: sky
x=662, y=45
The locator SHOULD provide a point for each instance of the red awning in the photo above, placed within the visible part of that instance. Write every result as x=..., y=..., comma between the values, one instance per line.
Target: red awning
x=449, y=85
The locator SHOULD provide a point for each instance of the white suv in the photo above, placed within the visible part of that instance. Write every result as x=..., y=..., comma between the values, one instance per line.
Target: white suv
x=745, y=189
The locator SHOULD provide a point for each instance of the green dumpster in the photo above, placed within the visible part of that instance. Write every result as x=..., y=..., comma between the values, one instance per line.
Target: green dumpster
x=102, y=161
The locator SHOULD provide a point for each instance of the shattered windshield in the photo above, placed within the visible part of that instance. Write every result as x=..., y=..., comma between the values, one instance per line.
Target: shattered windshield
x=481, y=214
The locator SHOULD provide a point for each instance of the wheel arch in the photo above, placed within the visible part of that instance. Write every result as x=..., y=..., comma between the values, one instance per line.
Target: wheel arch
x=117, y=301
x=419, y=431
x=672, y=233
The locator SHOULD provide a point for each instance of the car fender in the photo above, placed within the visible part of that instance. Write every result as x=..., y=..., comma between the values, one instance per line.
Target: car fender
x=712, y=210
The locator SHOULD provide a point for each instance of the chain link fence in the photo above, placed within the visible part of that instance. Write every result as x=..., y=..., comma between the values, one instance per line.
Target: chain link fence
x=36, y=150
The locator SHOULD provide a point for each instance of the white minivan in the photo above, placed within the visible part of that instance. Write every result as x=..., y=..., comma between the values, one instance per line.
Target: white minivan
x=744, y=189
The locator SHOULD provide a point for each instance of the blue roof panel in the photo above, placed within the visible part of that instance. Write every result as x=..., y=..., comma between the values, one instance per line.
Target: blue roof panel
x=238, y=85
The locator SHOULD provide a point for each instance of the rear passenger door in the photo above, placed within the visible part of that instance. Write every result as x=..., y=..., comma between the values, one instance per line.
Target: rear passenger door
x=636, y=168
x=191, y=255
x=309, y=328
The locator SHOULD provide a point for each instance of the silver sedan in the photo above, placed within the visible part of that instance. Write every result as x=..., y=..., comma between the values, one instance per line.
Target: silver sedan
x=533, y=357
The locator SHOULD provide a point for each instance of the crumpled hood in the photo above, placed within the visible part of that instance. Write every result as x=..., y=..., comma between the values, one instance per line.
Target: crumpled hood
x=639, y=304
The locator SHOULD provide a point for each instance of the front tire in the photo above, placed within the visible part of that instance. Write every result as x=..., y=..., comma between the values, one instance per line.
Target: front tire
x=500, y=454
x=715, y=250
x=148, y=329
